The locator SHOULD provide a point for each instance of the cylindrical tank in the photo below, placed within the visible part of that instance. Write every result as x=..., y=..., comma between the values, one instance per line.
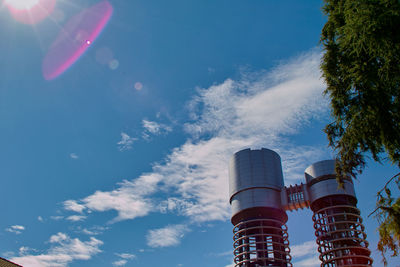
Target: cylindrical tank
x=337, y=222
x=260, y=234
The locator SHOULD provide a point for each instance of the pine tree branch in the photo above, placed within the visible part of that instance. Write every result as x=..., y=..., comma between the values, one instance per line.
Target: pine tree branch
x=388, y=182
x=384, y=187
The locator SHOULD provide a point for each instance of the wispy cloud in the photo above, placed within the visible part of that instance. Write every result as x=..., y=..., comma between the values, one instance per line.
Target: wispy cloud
x=89, y=232
x=170, y=235
x=73, y=156
x=126, y=142
x=260, y=110
x=305, y=254
x=130, y=199
x=309, y=262
x=155, y=128
x=174, y=204
x=57, y=218
x=66, y=250
x=72, y=205
x=124, y=257
x=58, y=238
x=25, y=250
x=76, y=218
x=128, y=256
x=94, y=230
x=16, y=229
x=307, y=248
x=222, y=254
x=120, y=262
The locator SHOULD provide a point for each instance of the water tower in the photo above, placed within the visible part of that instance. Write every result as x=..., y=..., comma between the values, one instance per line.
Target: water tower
x=259, y=201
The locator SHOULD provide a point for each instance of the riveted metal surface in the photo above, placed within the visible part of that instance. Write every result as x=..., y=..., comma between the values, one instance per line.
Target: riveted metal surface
x=255, y=179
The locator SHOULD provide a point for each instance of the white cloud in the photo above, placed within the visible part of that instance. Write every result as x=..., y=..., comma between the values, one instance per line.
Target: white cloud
x=260, y=110
x=40, y=218
x=167, y=236
x=76, y=218
x=73, y=206
x=56, y=218
x=73, y=156
x=127, y=256
x=305, y=254
x=58, y=238
x=223, y=254
x=152, y=127
x=307, y=248
x=309, y=262
x=16, y=229
x=129, y=199
x=95, y=230
x=88, y=232
x=124, y=257
x=174, y=204
x=126, y=142
x=120, y=262
x=24, y=250
x=67, y=250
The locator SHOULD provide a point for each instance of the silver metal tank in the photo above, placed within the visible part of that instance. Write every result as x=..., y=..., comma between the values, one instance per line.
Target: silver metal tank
x=321, y=181
x=256, y=180
x=260, y=234
x=338, y=225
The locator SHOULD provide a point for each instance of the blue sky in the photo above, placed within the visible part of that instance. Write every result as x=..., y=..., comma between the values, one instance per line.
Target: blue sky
x=122, y=159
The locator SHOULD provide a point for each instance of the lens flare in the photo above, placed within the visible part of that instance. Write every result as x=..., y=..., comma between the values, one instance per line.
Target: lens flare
x=30, y=11
x=138, y=86
x=21, y=4
x=74, y=39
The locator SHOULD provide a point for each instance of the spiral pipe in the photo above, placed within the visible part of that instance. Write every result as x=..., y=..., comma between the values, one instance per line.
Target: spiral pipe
x=341, y=237
x=261, y=242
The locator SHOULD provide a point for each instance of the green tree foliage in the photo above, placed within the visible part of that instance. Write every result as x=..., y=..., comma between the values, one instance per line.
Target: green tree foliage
x=388, y=214
x=361, y=66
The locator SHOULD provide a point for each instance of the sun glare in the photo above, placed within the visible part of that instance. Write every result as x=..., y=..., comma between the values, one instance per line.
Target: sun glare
x=30, y=11
x=21, y=4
